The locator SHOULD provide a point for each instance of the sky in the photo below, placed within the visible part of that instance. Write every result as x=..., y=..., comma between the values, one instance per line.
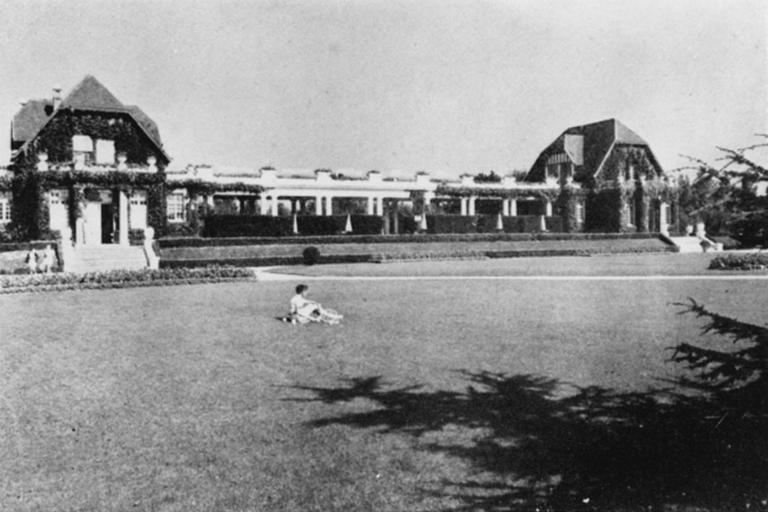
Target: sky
x=443, y=86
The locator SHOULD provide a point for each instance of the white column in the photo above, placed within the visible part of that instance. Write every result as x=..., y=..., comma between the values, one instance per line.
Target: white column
x=379, y=206
x=505, y=207
x=122, y=217
x=80, y=231
x=370, y=205
x=464, y=205
x=472, y=200
x=328, y=205
x=318, y=205
x=263, y=205
x=513, y=207
x=663, y=222
x=274, y=205
x=548, y=208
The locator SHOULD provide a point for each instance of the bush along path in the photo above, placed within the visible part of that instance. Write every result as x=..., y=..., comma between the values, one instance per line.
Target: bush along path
x=748, y=261
x=122, y=279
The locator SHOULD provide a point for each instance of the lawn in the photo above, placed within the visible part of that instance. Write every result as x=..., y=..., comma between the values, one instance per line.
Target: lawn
x=197, y=398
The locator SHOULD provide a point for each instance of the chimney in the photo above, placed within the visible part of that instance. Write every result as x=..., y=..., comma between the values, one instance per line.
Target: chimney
x=56, y=97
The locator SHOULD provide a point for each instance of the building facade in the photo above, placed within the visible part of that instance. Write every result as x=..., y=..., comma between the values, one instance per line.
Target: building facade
x=88, y=165
x=94, y=169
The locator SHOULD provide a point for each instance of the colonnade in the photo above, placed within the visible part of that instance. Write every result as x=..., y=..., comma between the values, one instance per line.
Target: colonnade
x=268, y=204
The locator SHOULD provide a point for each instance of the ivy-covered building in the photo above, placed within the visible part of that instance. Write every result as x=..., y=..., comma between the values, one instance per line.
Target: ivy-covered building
x=86, y=165
x=610, y=178
x=94, y=170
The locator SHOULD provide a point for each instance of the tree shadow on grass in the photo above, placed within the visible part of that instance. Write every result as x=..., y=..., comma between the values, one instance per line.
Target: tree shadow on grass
x=535, y=443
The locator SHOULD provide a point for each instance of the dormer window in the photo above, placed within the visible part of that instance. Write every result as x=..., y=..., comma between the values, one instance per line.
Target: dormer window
x=558, y=166
x=88, y=151
x=105, y=152
x=82, y=149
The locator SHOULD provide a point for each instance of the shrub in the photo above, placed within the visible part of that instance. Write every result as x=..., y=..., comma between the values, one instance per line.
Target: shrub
x=311, y=255
x=488, y=223
x=451, y=223
x=321, y=225
x=367, y=224
x=120, y=278
x=554, y=224
x=509, y=222
x=246, y=225
x=749, y=261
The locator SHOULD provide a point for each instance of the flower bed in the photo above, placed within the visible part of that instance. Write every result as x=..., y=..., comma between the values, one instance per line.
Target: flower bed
x=121, y=278
x=748, y=261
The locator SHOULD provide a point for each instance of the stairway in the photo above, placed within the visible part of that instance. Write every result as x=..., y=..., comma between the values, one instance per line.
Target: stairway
x=100, y=258
x=688, y=244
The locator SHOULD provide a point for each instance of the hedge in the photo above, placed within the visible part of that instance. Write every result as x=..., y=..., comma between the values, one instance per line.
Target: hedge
x=747, y=261
x=366, y=224
x=451, y=224
x=26, y=246
x=268, y=261
x=246, y=225
x=320, y=224
x=168, y=243
x=121, y=278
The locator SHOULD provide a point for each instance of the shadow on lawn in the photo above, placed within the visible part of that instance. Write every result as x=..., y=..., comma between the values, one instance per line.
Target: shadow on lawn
x=538, y=444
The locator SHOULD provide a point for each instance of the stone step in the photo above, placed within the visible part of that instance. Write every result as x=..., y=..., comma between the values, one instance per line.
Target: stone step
x=107, y=257
x=691, y=244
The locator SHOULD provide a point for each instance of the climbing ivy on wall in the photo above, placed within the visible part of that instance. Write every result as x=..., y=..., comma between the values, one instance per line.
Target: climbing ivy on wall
x=619, y=161
x=56, y=137
x=566, y=207
x=30, y=212
x=30, y=218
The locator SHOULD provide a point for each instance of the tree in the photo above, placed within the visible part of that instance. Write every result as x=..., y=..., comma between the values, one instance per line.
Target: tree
x=725, y=197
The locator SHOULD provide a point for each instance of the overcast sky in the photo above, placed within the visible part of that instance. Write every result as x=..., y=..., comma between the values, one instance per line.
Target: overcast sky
x=442, y=86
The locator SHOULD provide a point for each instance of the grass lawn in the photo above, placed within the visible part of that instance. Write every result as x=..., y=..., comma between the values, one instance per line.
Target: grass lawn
x=197, y=398
x=674, y=264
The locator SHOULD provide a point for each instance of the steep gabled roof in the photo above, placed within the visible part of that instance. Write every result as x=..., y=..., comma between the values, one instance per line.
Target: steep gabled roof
x=599, y=138
x=28, y=121
x=89, y=94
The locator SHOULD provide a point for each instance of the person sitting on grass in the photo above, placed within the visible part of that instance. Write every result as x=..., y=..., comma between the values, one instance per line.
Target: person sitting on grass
x=304, y=310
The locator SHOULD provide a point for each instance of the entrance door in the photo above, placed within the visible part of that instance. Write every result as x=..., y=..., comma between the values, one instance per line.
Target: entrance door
x=107, y=224
x=92, y=223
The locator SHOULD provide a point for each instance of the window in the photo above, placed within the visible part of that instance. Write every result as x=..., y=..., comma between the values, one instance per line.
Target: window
x=5, y=208
x=137, y=213
x=105, y=152
x=82, y=149
x=579, y=213
x=630, y=209
x=175, y=207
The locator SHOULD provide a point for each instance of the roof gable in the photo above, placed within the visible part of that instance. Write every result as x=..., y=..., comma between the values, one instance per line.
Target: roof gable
x=28, y=121
x=90, y=94
x=597, y=140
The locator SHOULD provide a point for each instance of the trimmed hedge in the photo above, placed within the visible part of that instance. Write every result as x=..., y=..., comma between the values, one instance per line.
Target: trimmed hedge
x=320, y=225
x=747, y=261
x=268, y=261
x=367, y=224
x=411, y=238
x=121, y=278
x=451, y=224
x=217, y=226
x=26, y=246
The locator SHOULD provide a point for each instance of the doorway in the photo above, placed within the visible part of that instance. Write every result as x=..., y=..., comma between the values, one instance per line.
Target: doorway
x=107, y=224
